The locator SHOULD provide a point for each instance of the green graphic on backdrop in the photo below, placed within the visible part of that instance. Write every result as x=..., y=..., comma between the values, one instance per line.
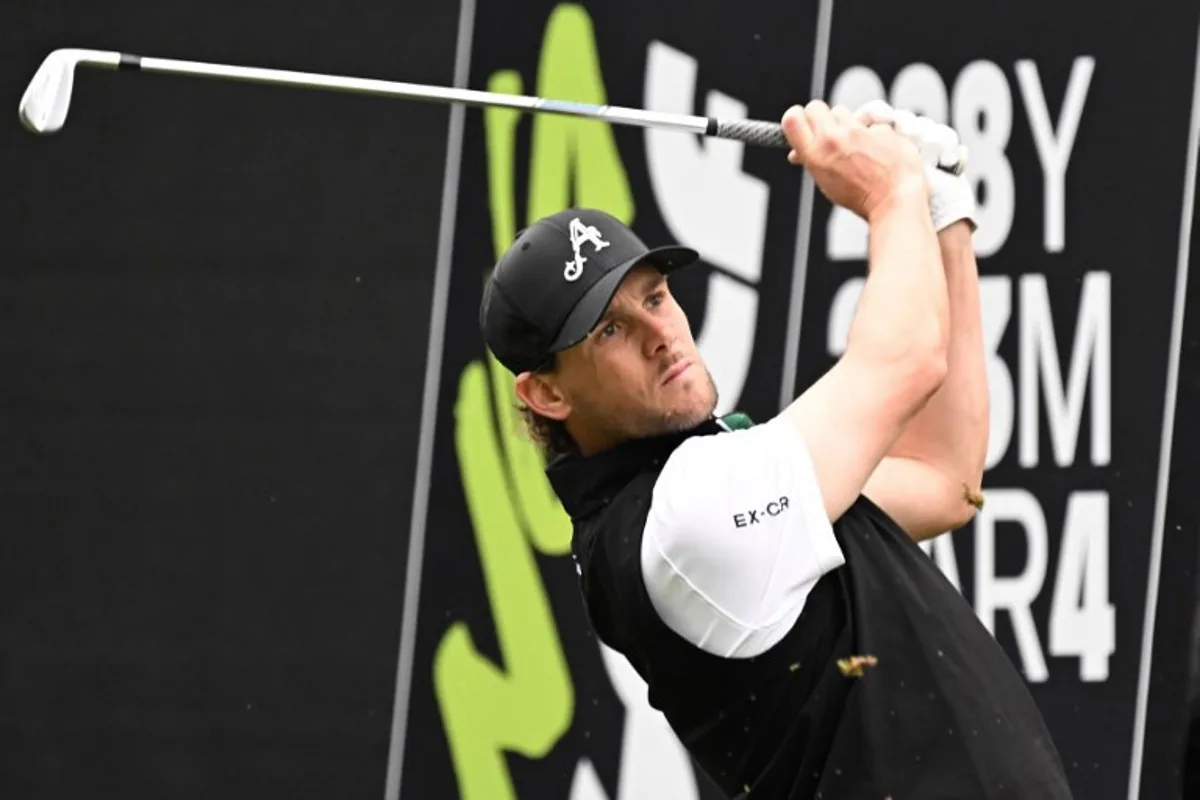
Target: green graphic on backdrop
x=524, y=704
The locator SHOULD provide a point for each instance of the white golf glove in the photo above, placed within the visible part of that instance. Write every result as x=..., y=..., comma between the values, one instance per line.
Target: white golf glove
x=951, y=198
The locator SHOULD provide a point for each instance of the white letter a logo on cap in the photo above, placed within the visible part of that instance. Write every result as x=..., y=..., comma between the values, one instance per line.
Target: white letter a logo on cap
x=581, y=233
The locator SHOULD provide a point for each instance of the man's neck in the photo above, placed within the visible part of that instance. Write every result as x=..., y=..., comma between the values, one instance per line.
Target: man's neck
x=591, y=442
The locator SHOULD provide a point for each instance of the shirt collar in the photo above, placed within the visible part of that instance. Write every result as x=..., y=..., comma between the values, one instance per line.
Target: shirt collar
x=585, y=483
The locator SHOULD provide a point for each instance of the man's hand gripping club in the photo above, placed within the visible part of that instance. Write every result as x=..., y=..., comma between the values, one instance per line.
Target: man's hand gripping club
x=945, y=157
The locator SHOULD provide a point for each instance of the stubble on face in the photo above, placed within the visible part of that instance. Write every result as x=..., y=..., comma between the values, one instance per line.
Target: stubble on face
x=629, y=420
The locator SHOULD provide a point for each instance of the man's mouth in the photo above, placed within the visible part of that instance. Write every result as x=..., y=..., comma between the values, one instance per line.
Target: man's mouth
x=677, y=370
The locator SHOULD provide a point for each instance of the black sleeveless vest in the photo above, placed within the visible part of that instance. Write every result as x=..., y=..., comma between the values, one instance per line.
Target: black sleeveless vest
x=942, y=713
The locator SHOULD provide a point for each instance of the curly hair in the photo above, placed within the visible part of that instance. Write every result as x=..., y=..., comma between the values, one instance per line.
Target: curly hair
x=550, y=435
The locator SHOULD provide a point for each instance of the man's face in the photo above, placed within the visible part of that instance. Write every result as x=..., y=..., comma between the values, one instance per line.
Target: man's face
x=639, y=372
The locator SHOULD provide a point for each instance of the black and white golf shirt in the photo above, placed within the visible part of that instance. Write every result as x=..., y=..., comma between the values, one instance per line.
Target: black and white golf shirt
x=707, y=559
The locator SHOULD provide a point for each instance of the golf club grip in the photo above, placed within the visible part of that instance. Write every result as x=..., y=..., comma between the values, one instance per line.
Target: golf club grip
x=755, y=132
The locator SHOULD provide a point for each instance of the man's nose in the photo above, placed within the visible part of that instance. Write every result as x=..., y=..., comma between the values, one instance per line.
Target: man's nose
x=660, y=334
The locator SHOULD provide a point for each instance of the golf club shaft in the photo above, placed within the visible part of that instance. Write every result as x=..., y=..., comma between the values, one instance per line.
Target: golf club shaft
x=754, y=132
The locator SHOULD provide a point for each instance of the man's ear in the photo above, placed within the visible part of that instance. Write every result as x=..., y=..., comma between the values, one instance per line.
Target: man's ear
x=542, y=395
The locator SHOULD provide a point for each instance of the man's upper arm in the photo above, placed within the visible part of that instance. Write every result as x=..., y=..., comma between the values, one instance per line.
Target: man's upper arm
x=852, y=416
x=736, y=538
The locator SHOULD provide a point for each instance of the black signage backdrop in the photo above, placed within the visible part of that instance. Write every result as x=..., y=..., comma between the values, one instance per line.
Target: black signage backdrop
x=1106, y=274
x=213, y=379
x=1175, y=677
x=1121, y=231
x=214, y=303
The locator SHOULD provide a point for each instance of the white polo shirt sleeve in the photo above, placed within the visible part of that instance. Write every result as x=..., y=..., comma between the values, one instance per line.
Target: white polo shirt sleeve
x=736, y=538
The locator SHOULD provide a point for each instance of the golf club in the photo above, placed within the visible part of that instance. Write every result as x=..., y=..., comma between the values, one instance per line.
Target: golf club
x=43, y=108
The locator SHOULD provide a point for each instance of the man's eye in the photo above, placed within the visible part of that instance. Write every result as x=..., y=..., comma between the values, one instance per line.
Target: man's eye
x=656, y=299
x=608, y=330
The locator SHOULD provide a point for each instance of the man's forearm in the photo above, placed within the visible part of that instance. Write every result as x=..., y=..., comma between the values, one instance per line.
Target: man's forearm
x=904, y=308
x=951, y=432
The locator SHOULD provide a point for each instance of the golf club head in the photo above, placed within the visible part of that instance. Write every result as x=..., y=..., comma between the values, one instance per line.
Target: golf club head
x=44, y=105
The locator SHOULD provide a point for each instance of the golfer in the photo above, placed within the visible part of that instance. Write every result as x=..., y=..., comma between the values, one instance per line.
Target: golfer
x=765, y=579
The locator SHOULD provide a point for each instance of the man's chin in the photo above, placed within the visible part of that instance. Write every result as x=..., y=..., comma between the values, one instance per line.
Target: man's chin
x=697, y=403
x=695, y=391
x=685, y=417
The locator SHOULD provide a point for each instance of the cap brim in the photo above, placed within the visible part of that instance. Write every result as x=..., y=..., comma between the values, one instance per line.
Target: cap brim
x=594, y=303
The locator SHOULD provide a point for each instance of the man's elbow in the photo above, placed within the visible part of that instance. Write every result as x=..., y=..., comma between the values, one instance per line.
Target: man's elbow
x=961, y=515
x=952, y=507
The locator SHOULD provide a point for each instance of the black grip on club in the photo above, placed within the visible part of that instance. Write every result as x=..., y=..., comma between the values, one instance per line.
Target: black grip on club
x=750, y=131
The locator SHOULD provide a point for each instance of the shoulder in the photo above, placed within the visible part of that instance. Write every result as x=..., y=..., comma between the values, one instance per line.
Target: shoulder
x=766, y=470
x=735, y=538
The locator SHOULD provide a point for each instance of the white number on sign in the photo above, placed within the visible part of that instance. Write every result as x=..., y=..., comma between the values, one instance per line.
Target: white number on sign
x=980, y=108
x=1082, y=620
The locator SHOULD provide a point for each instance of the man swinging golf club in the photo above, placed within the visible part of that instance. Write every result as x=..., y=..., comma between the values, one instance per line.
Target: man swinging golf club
x=765, y=580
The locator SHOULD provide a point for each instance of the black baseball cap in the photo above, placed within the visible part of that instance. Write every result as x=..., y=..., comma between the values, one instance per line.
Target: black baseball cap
x=556, y=280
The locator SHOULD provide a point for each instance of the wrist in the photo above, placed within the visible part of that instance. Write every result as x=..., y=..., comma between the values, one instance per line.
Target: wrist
x=956, y=236
x=908, y=193
x=957, y=247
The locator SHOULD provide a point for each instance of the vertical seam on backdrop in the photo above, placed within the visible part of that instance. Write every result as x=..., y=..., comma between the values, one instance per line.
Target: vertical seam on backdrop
x=791, y=342
x=1168, y=429
x=429, y=407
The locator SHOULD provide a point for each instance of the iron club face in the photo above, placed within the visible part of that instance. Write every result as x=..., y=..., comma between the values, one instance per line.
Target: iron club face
x=47, y=99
